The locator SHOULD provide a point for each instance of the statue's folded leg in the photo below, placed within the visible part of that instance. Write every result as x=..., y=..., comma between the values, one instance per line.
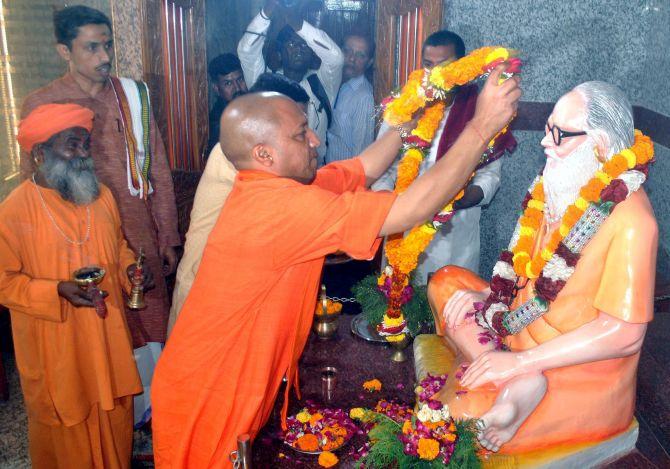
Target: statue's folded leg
x=517, y=399
x=501, y=410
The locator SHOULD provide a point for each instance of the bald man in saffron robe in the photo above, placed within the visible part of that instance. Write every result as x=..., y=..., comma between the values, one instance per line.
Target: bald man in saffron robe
x=77, y=370
x=248, y=315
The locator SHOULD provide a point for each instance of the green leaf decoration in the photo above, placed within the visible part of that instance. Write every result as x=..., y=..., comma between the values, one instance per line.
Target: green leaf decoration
x=373, y=303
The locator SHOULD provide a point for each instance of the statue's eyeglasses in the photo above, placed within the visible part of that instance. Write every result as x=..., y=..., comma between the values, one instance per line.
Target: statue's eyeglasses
x=559, y=134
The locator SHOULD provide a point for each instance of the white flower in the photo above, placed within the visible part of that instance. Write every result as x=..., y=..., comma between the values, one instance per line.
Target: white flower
x=633, y=180
x=504, y=270
x=388, y=270
x=424, y=414
x=556, y=269
x=494, y=308
x=436, y=416
x=445, y=412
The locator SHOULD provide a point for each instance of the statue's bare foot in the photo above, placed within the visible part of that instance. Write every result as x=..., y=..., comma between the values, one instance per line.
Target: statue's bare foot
x=514, y=404
x=498, y=425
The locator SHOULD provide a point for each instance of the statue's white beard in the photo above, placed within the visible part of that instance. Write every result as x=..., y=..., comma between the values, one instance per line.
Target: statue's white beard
x=563, y=178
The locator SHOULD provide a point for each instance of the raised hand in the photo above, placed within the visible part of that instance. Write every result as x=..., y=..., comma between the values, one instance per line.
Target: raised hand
x=497, y=103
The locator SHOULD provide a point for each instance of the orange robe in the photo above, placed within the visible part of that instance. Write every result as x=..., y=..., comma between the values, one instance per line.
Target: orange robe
x=76, y=369
x=248, y=315
x=615, y=275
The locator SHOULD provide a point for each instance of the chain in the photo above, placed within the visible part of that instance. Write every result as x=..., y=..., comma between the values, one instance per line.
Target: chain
x=341, y=300
x=76, y=242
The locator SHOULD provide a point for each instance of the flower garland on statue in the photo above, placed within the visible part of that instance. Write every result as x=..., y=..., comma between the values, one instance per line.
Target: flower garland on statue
x=553, y=265
x=425, y=90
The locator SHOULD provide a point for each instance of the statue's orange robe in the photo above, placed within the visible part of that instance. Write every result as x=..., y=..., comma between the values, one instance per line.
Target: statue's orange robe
x=615, y=275
x=77, y=370
x=248, y=315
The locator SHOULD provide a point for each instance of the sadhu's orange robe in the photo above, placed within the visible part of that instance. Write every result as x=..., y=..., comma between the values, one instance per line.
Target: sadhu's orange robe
x=249, y=312
x=615, y=275
x=77, y=370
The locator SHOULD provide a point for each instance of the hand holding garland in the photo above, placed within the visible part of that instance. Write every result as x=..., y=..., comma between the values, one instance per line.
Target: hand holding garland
x=496, y=105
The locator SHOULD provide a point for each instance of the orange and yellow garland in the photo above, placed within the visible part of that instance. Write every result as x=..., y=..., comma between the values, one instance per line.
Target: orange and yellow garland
x=639, y=154
x=424, y=90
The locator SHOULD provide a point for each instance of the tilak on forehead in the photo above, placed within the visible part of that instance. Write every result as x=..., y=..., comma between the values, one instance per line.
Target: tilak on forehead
x=49, y=119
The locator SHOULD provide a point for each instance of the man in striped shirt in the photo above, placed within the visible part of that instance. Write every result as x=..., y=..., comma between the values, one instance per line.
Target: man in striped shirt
x=353, y=118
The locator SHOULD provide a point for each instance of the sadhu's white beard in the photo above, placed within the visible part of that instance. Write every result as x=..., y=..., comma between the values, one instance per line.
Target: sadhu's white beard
x=74, y=179
x=563, y=178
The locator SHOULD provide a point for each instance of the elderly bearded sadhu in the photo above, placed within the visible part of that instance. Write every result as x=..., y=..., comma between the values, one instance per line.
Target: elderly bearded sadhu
x=249, y=312
x=77, y=370
x=574, y=330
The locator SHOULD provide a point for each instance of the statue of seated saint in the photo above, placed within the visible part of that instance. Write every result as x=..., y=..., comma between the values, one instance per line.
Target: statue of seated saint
x=548, y=351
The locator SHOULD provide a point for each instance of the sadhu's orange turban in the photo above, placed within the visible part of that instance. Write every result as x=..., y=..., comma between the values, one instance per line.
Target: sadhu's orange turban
x=49, y=119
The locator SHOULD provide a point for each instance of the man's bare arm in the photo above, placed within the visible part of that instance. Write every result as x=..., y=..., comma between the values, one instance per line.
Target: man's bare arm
x=496, y=105
x=377, y=158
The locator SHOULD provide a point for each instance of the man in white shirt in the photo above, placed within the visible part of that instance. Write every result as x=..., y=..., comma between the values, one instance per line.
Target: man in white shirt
x=353, y=126
x=457, y=242
x=297, y=43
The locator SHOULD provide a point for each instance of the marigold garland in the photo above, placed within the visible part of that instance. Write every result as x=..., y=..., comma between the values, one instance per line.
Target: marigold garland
x=553, y=265
x=529, y=222
x=425, y=90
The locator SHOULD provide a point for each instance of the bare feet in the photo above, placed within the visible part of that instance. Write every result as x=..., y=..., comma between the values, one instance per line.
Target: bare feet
x=516, y=401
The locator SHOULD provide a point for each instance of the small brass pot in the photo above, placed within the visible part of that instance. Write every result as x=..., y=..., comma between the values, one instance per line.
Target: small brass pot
x=399, y=347
x=325, y=325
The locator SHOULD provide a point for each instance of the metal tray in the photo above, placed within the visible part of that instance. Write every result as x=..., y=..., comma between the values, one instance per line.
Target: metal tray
x=361, y=328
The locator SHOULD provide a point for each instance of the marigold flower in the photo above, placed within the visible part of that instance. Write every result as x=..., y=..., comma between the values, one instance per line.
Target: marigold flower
x=307, y=442
x=303, y=417
x=315, y=418
x=327, y=459
x=407, y=427
x=395, y=338
x=615, y=166
x=451, y=437
x=428, y=448
x=372, y=385
x=357, y=413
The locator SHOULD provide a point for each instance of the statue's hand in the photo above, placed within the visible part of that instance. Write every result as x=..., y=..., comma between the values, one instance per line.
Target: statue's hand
x=458, y=309
x=493, y=367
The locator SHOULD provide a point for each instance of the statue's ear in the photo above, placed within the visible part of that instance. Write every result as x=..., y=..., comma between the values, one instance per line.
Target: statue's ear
x=602, y=145
x=602, y=152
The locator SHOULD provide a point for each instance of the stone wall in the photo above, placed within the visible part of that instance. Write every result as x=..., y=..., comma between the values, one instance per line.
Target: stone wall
x=565, y=43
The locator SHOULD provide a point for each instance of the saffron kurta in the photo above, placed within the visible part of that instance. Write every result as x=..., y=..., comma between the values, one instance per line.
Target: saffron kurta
x=615, y=275
x=73, y=365
x=249, y=312
x=146, y=224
